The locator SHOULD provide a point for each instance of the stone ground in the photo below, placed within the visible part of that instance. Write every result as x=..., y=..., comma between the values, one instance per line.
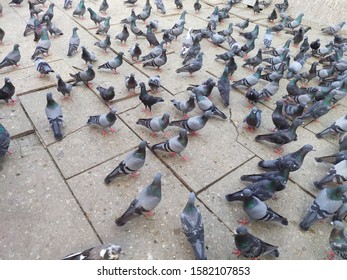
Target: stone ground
x=53, y=199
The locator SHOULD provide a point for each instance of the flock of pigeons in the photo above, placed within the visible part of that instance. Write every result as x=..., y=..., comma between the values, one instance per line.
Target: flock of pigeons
x=300, y=104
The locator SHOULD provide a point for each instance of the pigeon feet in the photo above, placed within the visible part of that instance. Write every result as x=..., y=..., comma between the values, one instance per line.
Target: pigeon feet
x=11, y=103
x=173, y=154
x=149, y=215
x=330, y=255
x=243, y=221
x=154, y=134
x=185, y=116
x=195, y=133
x=250, y=129
x=279, y=150
x=185, y=158
x=135, y=175
x=236, y=252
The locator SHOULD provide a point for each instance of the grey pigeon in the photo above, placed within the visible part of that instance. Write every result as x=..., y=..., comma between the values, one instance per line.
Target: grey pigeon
x=296, y=22
x=52, y=28
x=272, y=16
x=131, y=2
x=308, y=76
x=95, y=17
x=294, y=160
x=87, y=56
x=12, y=58
x=252, y=34
x=278, y=119
x=267, y=41
x=114, y=63
x=250, y=246
x=193, y=227
x=74, y=42
x=341, y=213
x=2, y=35
x=80, y=9
x=136, y=30
x=103, y=6
x=253, y=95
x=135, y=52
x=123, y=35
x=282, y=7
x=4, y=141
x=192, y=66
x=157, y=61
x=7, y=91
x=145, y=14
x=148, y=100
x=160, y=6
x=104, y=27
x=325, y=205
x=294, y=110
x=193, y=124
x=334, y=158
x=279, y=26
x=43, y=45
x=105, y=121
x=16, y=2
x=63, y=87
x=130, y=18
x=254, y=61
x=104, y=44
x=130, y=82
x=67, y=4
x=206, y=104
x=150, y=36
x=258, y=210
x=336, y=174
x=154, y=83
x=338, y=240
x=253, y=119
x=271, y=88
x=48, y=14
x=155, y=124
x=55, y=116
x=176, y=31
x=144, y=202
x=205, y=88
x=333, y=29
x=106, y=251
x=250, y=80
x=337, y=127
x=184, y=106
x=197, y=6
x=224, y=87
x=131, y=164
x=84, y=76
x=42, y=66
x=107, y=94
x=243, y=25
x=156, y=51
x=174, y=145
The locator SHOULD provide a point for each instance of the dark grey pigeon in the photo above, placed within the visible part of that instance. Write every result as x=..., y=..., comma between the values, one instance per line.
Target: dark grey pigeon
x=87, y=56
x=63, y=87
x=107, y=94
x=193, y=124
x=184, y=106
x=4, y=141
x=148, y=100
x=105, y=121
x=135, y=52
x=258, y=210
x=341, y=212
x=157, y=61
x=106, y=251
x=192, y=65
x=130, y=82
x=250, y=246
x=67, y=4
x=193, y=227
x=338, y=240
x=123, y=35
x=131, y=164
x=103, y=6
x=156, y=124
x=54, y=115
x=12, y=58
x=334, y=159
x=278, y=119
x=150, y=36
x=154, y=83
x=145, y=202
x=85, y=76
x=253, y=119
x=156, y=51
x=296, y=159
x=325, y=205
x=97, y=19
x=205, y=88
x=224, y=87
x=74, y=42
x=337, y=127
x=7, y=91
x=104, y=44
x=294, y=110
x=42, y=66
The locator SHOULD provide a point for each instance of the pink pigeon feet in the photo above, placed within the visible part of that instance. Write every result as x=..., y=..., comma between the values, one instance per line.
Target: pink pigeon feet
x=185, y=116
x=89, y=85
x=250, y=129
x=236, y=252
x=114, y=71
x=154, y=134
x=330, y=255
x=147, y=111
x=279, y=150
x=185, y=158
x=135, y=175
x=173, y=154
x=243, y=221
x=149, y=214
x=11, y=103
x=195, y=133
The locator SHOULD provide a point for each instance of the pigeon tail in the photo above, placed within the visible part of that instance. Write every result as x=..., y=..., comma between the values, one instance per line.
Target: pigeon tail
x=236, y=196
x=56, y=127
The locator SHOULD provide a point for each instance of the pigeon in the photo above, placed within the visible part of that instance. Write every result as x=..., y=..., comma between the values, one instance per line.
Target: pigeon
x=104, y=44
x=2, y=35
x=105, y=121
x=294, y=110
x=250, y=80
x=320, y=108
x=253, y=119
x=332, y=30
x=282, y=137
x=337, y=173
x=193, y=124
x=267, y=41
x=135, y=29
x=157, y=61
x=296, y=66
x=325, y=205
x=298, y=37
x=176, y=31
x=67, y=4
x=243, y=25
x=271, y=88
x=279, y=26
x=250, y=246
x=145, y=14
x=155, y=52
x=156, y=124
x=131, y=2
x=334, y=159
x=95, y=17
x=114, y=63
x=184, y=106
x=174, y=145
x=295, y=160
x=197, y=6
x=308, y=76
x=253, y=95
x=7, y=91
x=254, y=61
x=80, y=9
x=55, y=116
x=103, y=6
x=104, y=27
x=160, y=6
x=74, y=42
x=258, y=210
x=48, y=14
x=315, y=45
x=131, y=164
x=272, y=16
x=12, y=58
x=38, y=27
x=338, y=240
x=63, y=87
x=252, y=34
x=144, y=203
x=16, y=2
x=43, y=44
x=123, y=35
x=224, y=87
x=278, y=118
x=106, y=251
x=305, y=46
x=148, y=100
x=52, y=28
x=256, y=7
x=194, y=50
x=154, y=83
x=107, y=94
x=167, y=37
x=265, y=188
x=4, y=141
x=130, y=82
x=178, y=4
x=84, y=76
x=87, y=56
x=296, y=22
x=193, y=227
x=193, y=65
x=337, y=127
x=341, y=213
x=205, y=88
x=42, y=66
x=205, y=104
x=135, y=52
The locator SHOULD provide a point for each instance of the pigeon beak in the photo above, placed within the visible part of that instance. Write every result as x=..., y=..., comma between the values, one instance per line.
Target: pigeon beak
x=313, y=149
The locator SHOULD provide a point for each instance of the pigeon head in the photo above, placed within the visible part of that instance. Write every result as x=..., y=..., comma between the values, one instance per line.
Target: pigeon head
x=183, y=133
x=58, y=76
x=338, y=225
x=90, y=66
x=113, y=110
x=166, y=115
x=74, y=29
x=247, y=193
x=112, y=252
x=157, y=179
x=208, y=114
x=143, y=145
x=191, y=198
x=7, y=79
x=241, y=230
x=121, y=53
x=142, y=85
x=308, y=148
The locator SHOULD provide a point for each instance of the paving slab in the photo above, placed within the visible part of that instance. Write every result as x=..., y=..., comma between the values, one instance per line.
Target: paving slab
x=159, y=237
x=292, y=203
x=39, y=216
